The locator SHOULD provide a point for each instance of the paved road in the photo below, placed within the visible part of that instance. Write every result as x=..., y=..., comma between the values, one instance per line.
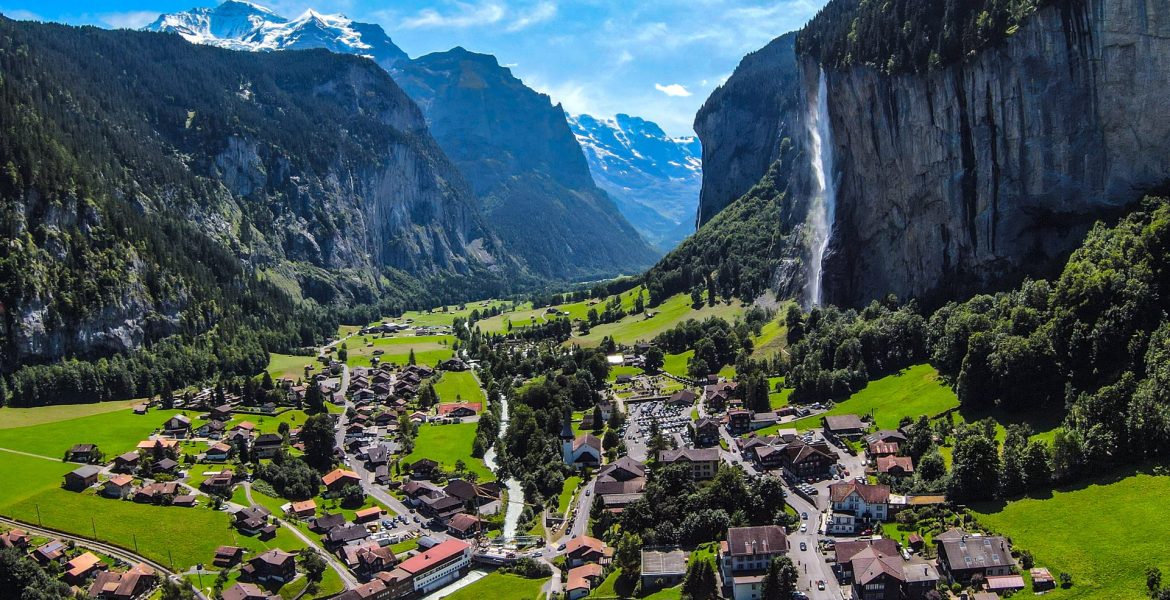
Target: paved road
x=107, y=549
x=342, y=570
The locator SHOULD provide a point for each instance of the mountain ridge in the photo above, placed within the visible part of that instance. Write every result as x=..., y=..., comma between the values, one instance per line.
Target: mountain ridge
x=512, y=143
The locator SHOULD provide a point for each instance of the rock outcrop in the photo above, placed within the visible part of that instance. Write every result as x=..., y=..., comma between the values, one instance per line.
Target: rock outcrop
x=977, y=174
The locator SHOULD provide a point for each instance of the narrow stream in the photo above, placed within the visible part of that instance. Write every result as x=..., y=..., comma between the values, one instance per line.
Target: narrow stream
x=515, y=492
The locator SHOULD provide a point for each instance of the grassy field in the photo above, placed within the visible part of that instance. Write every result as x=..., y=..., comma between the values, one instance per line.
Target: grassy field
x=772, y=338
x=670, y=313
x=11, y=418
x=114, y=432
x=913, y=392
x=185, y=535
x=447, y=444
x=459, y=386
x=428, y=349
x=501, y=585
x=290, y=366
x=567, y=492
x=778, y=399
x=1104, y=533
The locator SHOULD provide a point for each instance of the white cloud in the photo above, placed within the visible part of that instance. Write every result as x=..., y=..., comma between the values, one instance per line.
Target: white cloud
x=673, y=90
x=128, y=20
x=465, y=15
x=543, y=11
x=625, y=58
x=19, y=14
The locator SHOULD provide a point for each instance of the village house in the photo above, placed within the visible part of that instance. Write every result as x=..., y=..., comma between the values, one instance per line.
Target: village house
x=744, y=558
x=879, y=449
x=125, y=585
x=847, y=426
x=222, y=412
x=252, y=520
x=247, y=591
x=126, y=463
x=345, y=535
x=336, y=480
x=459, y=410
x=453, y=364
x=704, y=462
x=582, y=579
x=857, y=506
x=739, y=420
x=166, y=465
x=366, y=515
x=178, y=426
x=218, y=452
x=227, y=556
x=705, y=432
x=14, y=538
x=683, y=398
x=326, y=522
x=303, y=509
x=83, y=453
x=799, y=461
x=267, y=445
x=82, y=478
x=50, y=552
x=962, y=555
x=585, y=549
x=219, y=483
x=895, y=466
x=154, y=493
x=368, y=558
x=875, y=570
x=423, y=468
x=118, y=486
x=81, y=567
x=464, y=526
x=271, y=566
x=471, y=494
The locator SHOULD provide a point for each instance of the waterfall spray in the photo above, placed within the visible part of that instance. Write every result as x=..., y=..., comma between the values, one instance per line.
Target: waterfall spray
x=820, y=218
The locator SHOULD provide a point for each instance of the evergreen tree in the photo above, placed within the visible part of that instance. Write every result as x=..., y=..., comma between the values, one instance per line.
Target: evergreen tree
x=318, y=437
x=699, y=582
x=314, y=399
x=780, y=580
x=411, y=359
x=975, y=466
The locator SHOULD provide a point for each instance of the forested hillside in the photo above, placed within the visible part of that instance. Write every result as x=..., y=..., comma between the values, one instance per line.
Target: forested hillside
x=176, y=210
x=1093, y=344
x=910, y=35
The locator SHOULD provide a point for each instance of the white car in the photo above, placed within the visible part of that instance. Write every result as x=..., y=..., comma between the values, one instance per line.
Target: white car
x=804, y=528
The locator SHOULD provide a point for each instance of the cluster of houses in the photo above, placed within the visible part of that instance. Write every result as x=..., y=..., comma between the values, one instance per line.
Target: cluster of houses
x=586, y=558
x=425, y=572
x=456, y=506
x=89, y=575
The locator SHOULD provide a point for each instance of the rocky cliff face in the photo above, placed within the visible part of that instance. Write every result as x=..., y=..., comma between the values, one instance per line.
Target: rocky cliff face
x=977, y=174
x=522, y=160
x=742, y=123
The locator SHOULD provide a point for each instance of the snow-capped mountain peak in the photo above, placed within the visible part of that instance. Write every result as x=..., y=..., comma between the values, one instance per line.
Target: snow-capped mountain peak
x=238, y=25
x=652, y=177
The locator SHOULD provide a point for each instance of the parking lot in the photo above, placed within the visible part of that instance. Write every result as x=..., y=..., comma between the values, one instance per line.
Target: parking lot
x=673, y=421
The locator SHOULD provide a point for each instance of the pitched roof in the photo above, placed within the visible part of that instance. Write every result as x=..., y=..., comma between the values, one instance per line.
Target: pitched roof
x=977, y=552
x=765, y=539
x=885, y=463
x=462, y=522
x=689, y=455
x=450, y=407
x=86, y=472
x=583, y=545
x=429, y=558
x=82, y=564
x=587, y=440
x=336, y=475
x=871, y=494
x=672, y=562
x=871, y=564
x=121, y=480
x=843, y=422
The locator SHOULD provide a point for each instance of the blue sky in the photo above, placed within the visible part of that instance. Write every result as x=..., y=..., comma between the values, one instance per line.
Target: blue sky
x=658, y=59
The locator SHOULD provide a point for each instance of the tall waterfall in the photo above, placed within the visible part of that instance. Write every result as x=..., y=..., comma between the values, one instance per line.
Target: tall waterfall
x=820, y=218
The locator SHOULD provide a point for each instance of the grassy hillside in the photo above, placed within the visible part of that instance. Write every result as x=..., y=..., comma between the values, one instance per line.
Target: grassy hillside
x=667, y=315
x=1104, y=532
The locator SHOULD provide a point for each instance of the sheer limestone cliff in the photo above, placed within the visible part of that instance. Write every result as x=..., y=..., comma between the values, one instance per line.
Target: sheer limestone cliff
x=977, y=174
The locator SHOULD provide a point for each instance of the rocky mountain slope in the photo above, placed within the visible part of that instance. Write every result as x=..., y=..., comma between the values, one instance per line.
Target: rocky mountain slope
x=512, y=145
x=151, y=184
x=516, y=150
x=969, y=174
x=653, y=178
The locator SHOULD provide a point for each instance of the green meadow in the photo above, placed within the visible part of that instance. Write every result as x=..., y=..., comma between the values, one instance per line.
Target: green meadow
x=459, y=387
x=447, y=444
x=1104, y=532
